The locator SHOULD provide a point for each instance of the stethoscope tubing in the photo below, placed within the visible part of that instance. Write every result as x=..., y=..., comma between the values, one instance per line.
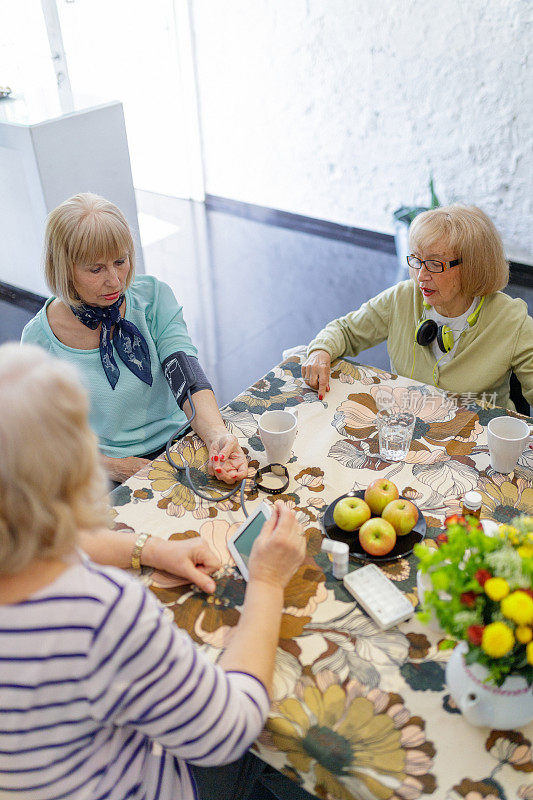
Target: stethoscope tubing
x=218, y=499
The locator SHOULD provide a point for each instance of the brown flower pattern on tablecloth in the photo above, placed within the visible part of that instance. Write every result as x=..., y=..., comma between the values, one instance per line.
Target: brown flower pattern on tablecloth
x=356, y=647
x=279, y=389
x=510, y=747
x=506, y=501
x=397, y=570
x=411, y=494
x=311, y=478
x=302, y=596
x=143, y=494
x=173, y=485
x=419, y=646
x=348, y=372
x=353, y=741
x=207, y=618
x=476, y=790
x=439, y=433
x=314, y=541
x=339, y=729
x=178, y=497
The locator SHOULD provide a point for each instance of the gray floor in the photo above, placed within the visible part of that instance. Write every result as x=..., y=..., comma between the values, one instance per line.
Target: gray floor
x=250, y=290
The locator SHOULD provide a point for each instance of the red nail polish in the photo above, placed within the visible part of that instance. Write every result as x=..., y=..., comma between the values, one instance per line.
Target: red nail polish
x=222, y=458
x=320, y=397
x=218, y=469
x=216, y=458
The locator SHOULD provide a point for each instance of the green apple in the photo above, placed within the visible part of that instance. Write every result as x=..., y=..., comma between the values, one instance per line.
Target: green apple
x=377, y=537
x=350, y=513
x=402, y=515
x=381, y=492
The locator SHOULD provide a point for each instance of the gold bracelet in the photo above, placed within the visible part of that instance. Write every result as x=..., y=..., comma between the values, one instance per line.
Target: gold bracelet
x=141, y=540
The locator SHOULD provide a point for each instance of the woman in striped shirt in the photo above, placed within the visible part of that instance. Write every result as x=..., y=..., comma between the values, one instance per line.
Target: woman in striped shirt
x=100, y=695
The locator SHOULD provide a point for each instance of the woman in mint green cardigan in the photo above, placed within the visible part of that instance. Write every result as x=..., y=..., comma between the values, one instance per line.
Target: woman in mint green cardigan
x=99, y=311
x=450, y=324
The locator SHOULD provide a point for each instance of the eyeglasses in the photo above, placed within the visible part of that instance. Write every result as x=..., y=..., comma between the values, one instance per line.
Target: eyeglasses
x=431, y=265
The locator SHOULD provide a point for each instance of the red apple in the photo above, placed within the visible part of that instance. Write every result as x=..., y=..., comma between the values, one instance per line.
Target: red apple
x=402, y=515
x=377, y=536
x=350, y=513
x=381, y=492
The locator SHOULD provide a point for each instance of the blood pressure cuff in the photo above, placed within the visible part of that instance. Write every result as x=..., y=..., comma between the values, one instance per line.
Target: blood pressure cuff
x=184, y=374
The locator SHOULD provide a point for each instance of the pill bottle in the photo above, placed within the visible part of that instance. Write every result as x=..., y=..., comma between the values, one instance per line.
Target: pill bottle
x=472, y=504
x=339, y=552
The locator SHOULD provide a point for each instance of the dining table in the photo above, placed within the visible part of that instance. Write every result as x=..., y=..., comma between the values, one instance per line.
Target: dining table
x=357, y=713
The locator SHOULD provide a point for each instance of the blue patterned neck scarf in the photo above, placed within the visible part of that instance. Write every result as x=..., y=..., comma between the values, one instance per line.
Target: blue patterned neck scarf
x=129, y=342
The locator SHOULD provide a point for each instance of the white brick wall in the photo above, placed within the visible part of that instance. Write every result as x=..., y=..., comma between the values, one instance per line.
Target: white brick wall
x=340, y=109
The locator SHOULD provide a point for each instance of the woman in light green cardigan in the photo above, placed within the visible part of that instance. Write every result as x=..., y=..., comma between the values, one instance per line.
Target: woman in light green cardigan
x=449, y=325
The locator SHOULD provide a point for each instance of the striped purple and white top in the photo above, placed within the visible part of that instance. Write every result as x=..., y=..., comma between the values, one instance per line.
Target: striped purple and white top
x=102, y=696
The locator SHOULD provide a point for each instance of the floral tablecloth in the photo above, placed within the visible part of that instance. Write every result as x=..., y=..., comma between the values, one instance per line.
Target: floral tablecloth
x=357, y=713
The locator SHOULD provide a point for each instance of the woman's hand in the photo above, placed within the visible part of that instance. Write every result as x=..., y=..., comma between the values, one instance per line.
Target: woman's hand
x=120, y=469
x=277, y=553
x=227, y=462
x=279, y=549
x=316, y=370
x=191, y=559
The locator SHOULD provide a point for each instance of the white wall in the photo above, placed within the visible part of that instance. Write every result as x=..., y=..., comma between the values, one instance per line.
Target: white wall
x=340, y=109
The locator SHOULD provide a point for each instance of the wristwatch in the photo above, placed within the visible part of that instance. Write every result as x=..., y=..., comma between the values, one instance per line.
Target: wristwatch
x=276, y=469
x=141, y=540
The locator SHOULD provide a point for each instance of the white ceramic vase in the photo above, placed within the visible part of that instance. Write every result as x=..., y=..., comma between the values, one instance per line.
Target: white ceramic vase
x=502, y=707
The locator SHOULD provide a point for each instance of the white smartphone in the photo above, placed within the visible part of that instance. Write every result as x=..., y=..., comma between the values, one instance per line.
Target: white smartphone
x=241, y=543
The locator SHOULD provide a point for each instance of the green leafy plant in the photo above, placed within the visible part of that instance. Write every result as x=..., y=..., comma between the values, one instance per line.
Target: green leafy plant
x=407, y=214
x=482, y=593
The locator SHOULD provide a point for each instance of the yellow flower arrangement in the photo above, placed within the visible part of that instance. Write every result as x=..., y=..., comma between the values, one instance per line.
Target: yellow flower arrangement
x=482, y=593
x=523, y=634
x=518, y=606
x=498, y=639
x=496, y=588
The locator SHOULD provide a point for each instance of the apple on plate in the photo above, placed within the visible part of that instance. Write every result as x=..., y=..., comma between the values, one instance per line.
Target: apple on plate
x=377, y=537
x=402, y=515
x=350, y=513
x=380, y=493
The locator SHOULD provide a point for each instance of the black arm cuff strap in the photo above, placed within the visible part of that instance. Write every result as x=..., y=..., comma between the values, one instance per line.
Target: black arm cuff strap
x=184, y=374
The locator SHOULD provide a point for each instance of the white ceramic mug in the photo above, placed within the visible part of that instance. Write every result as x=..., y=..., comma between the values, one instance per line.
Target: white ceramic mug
x=278, y=430
x=508, y=437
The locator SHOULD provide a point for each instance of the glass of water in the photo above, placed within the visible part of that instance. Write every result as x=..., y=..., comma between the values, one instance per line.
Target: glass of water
x=395, y=430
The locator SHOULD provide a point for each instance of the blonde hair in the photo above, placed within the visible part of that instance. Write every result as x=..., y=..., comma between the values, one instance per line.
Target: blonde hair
x=84, y=229
x=51, y=481
x=470, y=235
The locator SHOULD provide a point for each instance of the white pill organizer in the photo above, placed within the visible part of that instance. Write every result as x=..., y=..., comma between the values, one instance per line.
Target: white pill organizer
x=378, y=596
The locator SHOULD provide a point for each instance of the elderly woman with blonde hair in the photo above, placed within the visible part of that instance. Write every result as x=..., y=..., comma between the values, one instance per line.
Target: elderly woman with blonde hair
x=102, y=695
x=128, y=338
x=450, y=324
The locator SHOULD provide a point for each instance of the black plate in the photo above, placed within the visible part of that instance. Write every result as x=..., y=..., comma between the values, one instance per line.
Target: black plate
x=404, y=544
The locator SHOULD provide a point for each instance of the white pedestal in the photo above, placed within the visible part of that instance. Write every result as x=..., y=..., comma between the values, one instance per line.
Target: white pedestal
x=45, y=161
